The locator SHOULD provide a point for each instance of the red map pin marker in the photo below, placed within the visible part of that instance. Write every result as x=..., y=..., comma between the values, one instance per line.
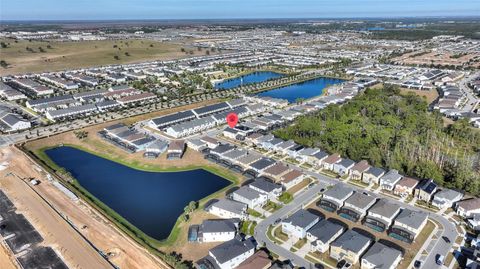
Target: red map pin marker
x=232, y=119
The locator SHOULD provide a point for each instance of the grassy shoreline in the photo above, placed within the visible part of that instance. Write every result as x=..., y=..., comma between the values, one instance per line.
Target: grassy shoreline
x=145, y=240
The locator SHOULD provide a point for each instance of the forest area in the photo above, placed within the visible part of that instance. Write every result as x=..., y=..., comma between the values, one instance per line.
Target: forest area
x=395, y=131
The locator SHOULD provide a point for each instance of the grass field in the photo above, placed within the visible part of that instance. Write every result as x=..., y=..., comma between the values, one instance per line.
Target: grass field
x=23, y=56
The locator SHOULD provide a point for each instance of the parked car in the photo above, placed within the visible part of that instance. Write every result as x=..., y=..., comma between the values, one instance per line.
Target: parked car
x=446, y=239
x=417, y=264
x=440, y=259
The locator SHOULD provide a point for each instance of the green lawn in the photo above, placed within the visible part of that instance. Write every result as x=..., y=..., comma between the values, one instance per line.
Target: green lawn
x=254, y=213
x=285, y=197
x=271, y=206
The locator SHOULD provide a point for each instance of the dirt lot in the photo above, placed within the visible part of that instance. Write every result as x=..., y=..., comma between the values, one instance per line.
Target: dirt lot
x=57, y=233
x=6, y=258
x=438, y=58
x=41, y=56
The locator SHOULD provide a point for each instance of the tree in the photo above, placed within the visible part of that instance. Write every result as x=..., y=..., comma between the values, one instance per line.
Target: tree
x=116, y=57
x=3, y=64
x=3, y=45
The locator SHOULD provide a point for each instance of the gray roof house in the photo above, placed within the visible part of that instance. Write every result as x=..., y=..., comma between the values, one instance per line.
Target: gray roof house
x=408, y=225
x=334, y=198
x=390, y=179
x=264, y=186
x=318, y=158
x=343, y=167
x=380, y=256
x=249, y=196
x=349, y=246
x=232, y=253
x=381, y=215
x=226, y=208
x=372, y=175
x=299, y=223
x=322, y=234
x=217, y=230
x=356, y=206
x=446, y=198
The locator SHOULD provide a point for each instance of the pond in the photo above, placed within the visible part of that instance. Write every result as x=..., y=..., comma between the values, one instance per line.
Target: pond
x=305, y=90
x=255, y=77
x=151, y=201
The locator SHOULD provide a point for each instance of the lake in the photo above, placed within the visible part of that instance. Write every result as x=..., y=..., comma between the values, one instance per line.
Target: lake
x=306, y=89
x=255, y=77
x=151, y=201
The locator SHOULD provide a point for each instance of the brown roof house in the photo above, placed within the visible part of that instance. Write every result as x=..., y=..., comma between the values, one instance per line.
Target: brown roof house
x=405, y=187
x=467, y=208
x=356, y=172
x=292, y=178
x=259, y=260
x=330, y=161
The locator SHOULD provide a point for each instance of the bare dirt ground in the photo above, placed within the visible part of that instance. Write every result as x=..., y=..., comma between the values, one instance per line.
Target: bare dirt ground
x=74, y=249
x=438, y=58
x=6, y=258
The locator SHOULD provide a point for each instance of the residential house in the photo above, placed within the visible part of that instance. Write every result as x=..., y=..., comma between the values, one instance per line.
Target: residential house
x=380, y=256
x=356, y=206
x=425, y=190
x=356, y=173
x=446, y=198
x=381, y=215
x=350, y=246
x=250, y=197
x=408, y=224
x=226, y=208
x=467, y=208
x=372, y=175
x=389, y=180
x=299, y=223
x=276, y=171
x=272, y=190
x=343, y=167
x=292, y=178
x=334, y=198
x=322, y=234
x=259, y=260
x=405, y=187
x=218, y=230
x=329, y=161
x=232, y=253
x=307, y=155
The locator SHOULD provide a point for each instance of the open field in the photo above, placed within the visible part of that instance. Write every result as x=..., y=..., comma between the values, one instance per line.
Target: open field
x=41, y=56
x=429, y=95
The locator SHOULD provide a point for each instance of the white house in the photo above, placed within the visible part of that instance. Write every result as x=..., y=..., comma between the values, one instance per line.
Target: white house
x=322, y=234
x=226, y=208
x=250, y=197
x=232, y=253
x=299, y=223
x=219, y=230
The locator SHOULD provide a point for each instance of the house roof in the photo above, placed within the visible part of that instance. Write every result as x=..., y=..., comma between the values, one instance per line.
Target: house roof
x=391, y=177
x=346, y=163
x=218, y=226
x=277, y=169
x=230, y=206
x=375, y=171
x=351, y=241
x=292, y=175
x=384, y=208
x=448, y=194
x=428, y=186
x=334, y=158
x=411, y=218
x=339, y=191
x=259, y=260
x=360, y=200
x=408, y=182
x=248, y=193
x=361, y=166
x=470, y=204
x=324, y=230
x=265, y=185
x=262, y=163
x=381, y=256
x=302, y=218
x=232, y=249
x=320, y=155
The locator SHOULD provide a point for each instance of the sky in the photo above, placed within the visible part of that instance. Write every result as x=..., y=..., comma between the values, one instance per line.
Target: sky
x=230, y=9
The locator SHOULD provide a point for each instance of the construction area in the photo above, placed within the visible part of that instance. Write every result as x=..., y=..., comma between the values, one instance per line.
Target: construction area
x=42, y=227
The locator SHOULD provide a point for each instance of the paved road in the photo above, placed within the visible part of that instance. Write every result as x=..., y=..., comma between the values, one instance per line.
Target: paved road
x=472, y=100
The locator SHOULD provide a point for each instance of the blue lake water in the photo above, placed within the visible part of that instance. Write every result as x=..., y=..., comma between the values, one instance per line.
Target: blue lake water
x=306, y=89
x=151, y=201
x=251, y=78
